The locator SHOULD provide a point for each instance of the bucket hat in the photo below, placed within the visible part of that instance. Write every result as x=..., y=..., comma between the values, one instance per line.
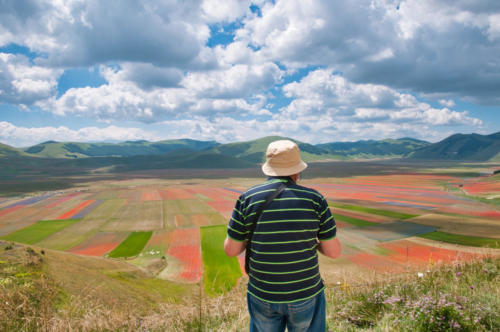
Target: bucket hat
x=283, y=159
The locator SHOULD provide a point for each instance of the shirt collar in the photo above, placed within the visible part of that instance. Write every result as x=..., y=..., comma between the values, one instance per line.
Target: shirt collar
x=287, y=178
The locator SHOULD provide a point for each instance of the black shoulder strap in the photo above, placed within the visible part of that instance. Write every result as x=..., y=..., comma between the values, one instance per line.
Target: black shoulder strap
x=256, y=218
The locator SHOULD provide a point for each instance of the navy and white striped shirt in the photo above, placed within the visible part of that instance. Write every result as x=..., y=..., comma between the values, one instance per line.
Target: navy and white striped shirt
x=283, y=259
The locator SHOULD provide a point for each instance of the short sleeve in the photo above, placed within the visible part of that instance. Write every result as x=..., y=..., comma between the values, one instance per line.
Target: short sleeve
x=237, y=229
x=327, y=227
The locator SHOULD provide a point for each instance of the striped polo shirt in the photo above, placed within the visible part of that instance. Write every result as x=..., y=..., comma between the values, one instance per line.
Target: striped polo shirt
x=283, y=258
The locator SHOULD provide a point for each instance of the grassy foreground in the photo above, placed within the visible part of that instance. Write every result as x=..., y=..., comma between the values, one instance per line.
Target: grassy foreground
x=34, y=296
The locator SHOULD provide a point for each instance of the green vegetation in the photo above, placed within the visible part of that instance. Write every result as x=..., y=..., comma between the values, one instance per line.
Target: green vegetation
x=380, y=212
x=34, y=296
x=132, y=245
x=472, y=241
x=464, y=297
x=39, y=231
x=220, y=272
x=353, y=221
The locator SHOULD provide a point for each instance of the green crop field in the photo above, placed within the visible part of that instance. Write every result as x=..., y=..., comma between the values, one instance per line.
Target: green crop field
x=464, y=240
x=353, y=221
x=380, y=212
x=39, y=231
x=220, y=272
x=132, y=245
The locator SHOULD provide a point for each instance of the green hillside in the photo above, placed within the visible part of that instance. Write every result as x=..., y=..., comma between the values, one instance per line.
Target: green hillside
x=52, y=149
x=255, y=151
x=471, y=147
x=9, y=151
x=374, y=149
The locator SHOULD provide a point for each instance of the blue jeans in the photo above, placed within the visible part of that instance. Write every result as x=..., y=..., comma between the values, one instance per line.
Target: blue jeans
x=308, y=315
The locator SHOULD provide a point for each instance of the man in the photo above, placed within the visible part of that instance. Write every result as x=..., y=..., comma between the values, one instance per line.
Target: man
x=285, y=288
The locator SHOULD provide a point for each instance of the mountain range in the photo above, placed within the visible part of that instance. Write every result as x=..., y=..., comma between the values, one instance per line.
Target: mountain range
x=210, y=154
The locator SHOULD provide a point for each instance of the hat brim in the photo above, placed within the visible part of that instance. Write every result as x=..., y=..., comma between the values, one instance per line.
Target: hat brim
x=275, y=171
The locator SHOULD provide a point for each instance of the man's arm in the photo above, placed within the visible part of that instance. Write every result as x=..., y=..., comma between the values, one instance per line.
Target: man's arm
x=330, y=248
x=234, y=248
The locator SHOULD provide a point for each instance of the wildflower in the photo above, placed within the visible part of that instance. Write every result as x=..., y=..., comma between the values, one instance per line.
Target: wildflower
x=471, y=287
x=485, y=271
x=459, y=274
x=420, y=274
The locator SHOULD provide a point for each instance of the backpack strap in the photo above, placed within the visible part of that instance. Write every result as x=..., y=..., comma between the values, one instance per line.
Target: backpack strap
x=269, y=199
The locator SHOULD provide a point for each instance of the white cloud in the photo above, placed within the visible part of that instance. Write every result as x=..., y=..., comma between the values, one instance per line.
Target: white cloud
x=85, y=33
x=24, y=83
x=428, y=46
x=323, y=92
x=214, y=11
x=237, y=91
x=447, y=102
x=22, y=136
x=237, y=81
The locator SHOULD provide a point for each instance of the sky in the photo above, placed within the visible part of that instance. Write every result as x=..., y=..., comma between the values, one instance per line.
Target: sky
x=315, y=71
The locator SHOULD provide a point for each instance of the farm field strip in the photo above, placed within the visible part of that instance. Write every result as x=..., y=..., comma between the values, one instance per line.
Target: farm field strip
x=8, y=210
x=26, y=214
x=360, y=215
x=407, y=251
x=470, y=241
x=394, y=231
x=461, y=225
x=69, y=214
x=132, y=245
x=380, y=212
x=99, y=244
x=220, y=271
x=62, y=200
x=150, y=195
x=87, y=209
x=30, y=201
x=185, y=248
x=80, y=232
x=36, y=232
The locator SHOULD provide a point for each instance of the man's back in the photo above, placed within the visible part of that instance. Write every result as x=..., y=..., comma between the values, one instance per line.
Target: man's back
x=283, y=259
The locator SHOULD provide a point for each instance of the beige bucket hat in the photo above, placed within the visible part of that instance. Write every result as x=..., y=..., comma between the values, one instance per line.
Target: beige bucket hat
x=283, y=159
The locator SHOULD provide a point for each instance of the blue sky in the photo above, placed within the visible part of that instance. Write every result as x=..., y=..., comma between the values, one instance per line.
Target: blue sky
x=316, y=71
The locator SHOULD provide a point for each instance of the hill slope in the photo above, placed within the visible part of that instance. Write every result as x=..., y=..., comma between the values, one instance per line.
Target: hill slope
x=9, y=151
x=373, y=149
x=470, y=147
x=255, y=151
x=52, y=149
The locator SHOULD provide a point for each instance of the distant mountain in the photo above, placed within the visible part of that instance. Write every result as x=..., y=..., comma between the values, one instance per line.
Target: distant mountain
x=52, y=149
x=463, y=147
x=255, y=151
x=374, y=149
x=472, y=147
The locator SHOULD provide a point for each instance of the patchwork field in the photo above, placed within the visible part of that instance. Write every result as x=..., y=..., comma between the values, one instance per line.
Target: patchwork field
x=175, y=229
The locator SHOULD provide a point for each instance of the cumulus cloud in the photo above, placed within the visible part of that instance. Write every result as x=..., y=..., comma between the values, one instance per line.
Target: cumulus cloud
x=237, y=90
x=377, y=60
x=24, y=83
x=85, y=33
x=240, y=80
x=428, y=46
x=322, y=92
x=22, y=136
